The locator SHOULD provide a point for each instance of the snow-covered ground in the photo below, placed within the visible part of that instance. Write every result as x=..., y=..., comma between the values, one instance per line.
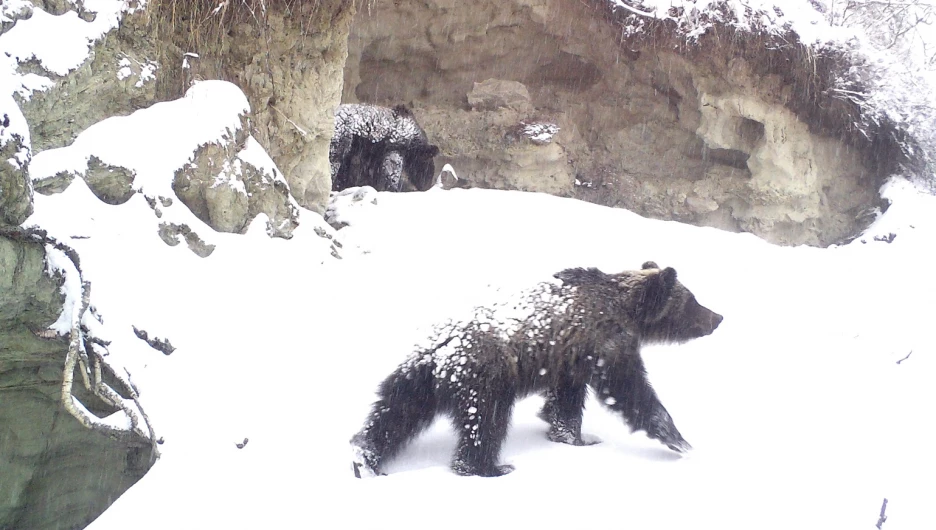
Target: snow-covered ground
x=799, y=413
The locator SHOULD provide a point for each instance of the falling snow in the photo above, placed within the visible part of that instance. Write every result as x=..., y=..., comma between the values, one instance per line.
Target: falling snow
x=351, y=320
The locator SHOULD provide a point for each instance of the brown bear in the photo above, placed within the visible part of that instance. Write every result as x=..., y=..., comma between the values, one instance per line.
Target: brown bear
x=375, y=146
x=557, y=339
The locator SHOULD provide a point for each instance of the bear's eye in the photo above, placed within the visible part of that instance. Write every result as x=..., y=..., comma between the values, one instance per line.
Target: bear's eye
x=692, y=303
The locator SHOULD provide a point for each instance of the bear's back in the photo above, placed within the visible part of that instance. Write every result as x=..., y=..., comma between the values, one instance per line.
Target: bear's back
x=377, y=124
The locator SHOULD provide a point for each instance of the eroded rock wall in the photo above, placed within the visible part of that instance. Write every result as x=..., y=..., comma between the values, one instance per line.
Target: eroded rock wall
x=290, y=68
x=706, y=139
x=289, y=64
x=54, y=472
x=16, y=189
x=118, y=78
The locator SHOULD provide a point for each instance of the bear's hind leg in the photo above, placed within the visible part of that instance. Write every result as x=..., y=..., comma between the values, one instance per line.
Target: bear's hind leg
x=481, y=419
x=563, y=411
x=339, y=153
x=406, y=407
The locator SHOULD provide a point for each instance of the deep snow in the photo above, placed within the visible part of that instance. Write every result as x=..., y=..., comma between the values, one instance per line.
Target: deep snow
x=796, y=407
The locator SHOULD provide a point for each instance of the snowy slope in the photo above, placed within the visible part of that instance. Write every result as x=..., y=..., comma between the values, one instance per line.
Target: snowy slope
x=797, y=410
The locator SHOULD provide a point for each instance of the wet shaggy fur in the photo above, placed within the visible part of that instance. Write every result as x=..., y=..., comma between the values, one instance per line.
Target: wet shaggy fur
x=557, y=339
x=374, y=146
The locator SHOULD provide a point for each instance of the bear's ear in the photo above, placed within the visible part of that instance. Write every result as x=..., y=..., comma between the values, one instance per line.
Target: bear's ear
x=580, y=276
x=656, y=292
x=425, y=151
x=659, y=284
x=649, y=265
x=669, y=277
x=431, y=151
x=401, y=111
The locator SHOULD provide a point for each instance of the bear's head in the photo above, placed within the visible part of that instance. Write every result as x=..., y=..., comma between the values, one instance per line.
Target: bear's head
x=420, y=166
x=666, y=310
x=651, y=299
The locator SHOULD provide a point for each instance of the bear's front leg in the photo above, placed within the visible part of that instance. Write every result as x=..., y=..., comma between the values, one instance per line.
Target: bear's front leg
x=390, y=172
x=563, y=412
x=625, y=389
x=481, y=419
x=339, y=153
x=660, y=426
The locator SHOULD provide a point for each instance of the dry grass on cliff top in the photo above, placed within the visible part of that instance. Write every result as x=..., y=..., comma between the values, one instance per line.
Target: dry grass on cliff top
x=206, y=21
x=816, y=76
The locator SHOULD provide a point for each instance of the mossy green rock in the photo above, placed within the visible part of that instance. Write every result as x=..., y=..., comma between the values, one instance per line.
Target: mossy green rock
x=54, y=473
x=15, y=187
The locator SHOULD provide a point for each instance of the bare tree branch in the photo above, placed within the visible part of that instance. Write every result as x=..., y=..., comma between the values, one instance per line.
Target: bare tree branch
x=71, y=359
x=883, y=517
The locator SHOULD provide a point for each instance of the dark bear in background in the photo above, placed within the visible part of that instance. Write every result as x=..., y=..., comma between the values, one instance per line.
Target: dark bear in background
x=374, y=146
x=557, y=339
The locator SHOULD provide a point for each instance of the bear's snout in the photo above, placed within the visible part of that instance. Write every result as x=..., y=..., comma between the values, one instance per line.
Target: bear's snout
x=708, y=321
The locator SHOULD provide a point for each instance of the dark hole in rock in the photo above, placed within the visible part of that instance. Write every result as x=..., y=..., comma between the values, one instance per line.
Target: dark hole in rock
x=727, y=157
x=751, y=133
x=566, y=71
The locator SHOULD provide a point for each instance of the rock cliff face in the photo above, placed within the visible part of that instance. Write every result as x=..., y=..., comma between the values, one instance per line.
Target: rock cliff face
x=54, y=472
x=289, y=66
x=15, y=187
x=61, y=465
x=118, y=78
x=546, y=95
x=539, y=95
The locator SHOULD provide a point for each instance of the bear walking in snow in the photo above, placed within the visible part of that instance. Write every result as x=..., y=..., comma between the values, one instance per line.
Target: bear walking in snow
x=374, y=146
x=557, y=339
